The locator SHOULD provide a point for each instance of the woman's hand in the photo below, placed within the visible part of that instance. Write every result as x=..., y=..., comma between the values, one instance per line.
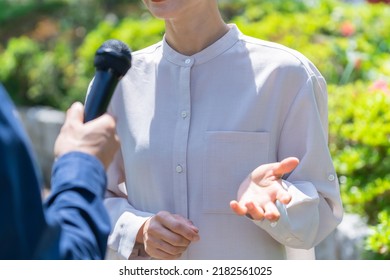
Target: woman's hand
x=167, y=236
x=258, y=193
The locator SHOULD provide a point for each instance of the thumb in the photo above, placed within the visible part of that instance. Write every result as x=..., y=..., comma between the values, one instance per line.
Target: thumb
x=275, y=169
x=75, y=112
x=238, y=208
x=285, y=166
x=107, y=121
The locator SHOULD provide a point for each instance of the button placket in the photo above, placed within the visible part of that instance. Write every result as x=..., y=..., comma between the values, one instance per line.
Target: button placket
x=181, y=140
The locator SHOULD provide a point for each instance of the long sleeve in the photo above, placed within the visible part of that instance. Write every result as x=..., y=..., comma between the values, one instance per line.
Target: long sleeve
x=21, y=215
x=76, y=208
x=315, y=209
x=126, y=220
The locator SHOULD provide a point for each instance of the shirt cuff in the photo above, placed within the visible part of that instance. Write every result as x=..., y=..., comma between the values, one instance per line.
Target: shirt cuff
x=123, y=237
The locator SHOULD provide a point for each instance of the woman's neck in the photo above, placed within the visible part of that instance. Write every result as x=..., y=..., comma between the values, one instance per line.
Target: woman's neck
x=191, y=35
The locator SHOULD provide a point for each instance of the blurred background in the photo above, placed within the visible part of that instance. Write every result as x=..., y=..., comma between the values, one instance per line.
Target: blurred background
x=46, y=63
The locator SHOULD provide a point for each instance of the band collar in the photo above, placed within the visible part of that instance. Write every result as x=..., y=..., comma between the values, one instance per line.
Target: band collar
x=207, y=54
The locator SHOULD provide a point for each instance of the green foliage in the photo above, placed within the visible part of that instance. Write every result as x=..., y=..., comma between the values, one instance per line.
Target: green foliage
x=136, y=33
x=9, y=11
x=378, y=243
x=34, y=76
x=252, y=10
x=347, y=43
x=359, y=140
x=342, y=41
x=359, y=131
x=43, y=65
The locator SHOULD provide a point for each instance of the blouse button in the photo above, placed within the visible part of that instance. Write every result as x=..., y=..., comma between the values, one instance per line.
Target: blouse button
x=179, y=168
x=184, y=114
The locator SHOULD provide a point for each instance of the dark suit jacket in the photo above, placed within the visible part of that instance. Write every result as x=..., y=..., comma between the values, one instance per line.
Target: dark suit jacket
x=72, y=223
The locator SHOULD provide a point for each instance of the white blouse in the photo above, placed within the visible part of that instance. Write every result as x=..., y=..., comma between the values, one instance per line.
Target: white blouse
x=193, y=127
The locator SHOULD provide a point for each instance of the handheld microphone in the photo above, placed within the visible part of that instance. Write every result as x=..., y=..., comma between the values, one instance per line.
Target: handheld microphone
x=112, y=61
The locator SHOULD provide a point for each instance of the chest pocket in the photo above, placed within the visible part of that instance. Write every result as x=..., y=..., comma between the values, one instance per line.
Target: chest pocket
x=228, y=158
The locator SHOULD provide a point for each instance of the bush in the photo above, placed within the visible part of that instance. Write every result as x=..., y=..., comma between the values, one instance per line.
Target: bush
x=41, y=64
x=359, y=131
x=378, y=243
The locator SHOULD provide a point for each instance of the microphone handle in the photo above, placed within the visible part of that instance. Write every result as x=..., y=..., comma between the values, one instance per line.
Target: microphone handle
x=102, y=88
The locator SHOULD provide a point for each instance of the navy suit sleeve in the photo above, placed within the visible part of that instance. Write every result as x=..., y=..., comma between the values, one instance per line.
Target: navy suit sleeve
x=21, y=216
x=76, y=206
x=73, y=223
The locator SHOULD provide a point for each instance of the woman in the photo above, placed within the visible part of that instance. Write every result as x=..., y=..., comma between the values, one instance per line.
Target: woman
x=224, y=145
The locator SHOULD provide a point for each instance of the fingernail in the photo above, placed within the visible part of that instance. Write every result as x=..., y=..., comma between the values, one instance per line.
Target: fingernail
x=77, y=105
x=195, y=229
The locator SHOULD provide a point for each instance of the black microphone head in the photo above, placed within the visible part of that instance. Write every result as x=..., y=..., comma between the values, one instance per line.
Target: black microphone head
x=115, y=56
